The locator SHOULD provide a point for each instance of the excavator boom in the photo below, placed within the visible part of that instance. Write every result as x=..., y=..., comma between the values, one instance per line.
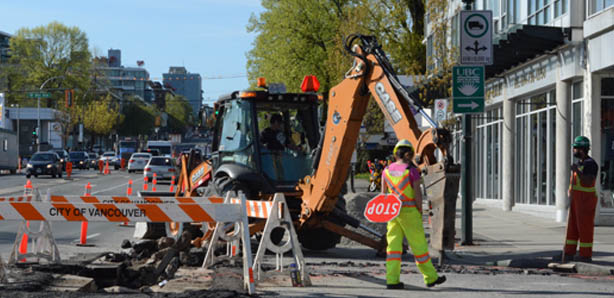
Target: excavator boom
x=371, y=75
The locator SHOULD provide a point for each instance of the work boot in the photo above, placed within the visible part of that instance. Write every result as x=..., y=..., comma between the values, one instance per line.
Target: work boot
x=583, y=259
x=558, y=258
x=398, y=286
x=438, y=281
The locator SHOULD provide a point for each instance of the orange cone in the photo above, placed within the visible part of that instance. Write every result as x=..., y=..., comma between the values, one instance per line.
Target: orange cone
x=84, y=224
x=172, y=184
x=27, y=189
x=145, y=184
x=129, y=190
x=106, y=168
x=23, y=245
x=154, y=182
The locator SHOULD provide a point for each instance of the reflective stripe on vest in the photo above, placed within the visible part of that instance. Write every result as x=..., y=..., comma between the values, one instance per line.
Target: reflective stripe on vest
x=401, y=186
x=578, y=186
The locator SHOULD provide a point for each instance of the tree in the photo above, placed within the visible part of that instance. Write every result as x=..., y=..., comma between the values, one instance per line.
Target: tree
x=139, y=118
x=44, y=52
x=179, y=112
x=101, y=116
x=298, y=37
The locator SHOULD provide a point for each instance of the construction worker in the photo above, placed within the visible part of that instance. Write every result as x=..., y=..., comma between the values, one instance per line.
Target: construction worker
x=581, y=219
x=402, y=178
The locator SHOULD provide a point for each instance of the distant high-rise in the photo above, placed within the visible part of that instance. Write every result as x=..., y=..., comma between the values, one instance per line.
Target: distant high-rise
x=186, y=84
x=115, y=58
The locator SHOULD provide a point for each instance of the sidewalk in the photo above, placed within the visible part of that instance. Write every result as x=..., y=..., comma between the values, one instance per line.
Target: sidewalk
x=499, y=235
x=529, y=240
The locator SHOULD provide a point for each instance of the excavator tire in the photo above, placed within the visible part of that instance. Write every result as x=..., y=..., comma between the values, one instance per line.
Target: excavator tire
x=321, y=238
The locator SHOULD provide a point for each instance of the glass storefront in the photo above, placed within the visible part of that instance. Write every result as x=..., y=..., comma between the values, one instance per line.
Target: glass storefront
x=535, y=143
x=487, y=158
x=607, y=140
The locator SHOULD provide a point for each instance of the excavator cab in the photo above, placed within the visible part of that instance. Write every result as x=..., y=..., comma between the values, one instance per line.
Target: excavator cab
x=263, y=141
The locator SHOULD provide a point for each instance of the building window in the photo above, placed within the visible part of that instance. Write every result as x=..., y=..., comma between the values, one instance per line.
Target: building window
x=486, y=162
x=599, y=5
x=535, y=143
x=539, y=12
x=560, y=8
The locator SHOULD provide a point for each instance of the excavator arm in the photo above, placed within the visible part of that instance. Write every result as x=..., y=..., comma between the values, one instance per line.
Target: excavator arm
x=370, y=76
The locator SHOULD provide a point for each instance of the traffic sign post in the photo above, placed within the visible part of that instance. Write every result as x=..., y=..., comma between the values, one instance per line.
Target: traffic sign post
x=39, y=95
x=383, y=208
x=468, y=89
x=476, y=37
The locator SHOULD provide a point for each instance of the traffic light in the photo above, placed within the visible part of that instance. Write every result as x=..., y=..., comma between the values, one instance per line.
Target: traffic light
x=34, y=135
x=69, y=94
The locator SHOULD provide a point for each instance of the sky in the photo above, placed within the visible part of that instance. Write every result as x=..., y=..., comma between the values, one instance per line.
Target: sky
x=208, y=37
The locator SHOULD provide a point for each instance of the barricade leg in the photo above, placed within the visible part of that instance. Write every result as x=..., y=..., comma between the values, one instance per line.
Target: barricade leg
x=248, y=272
x=2, y=271
x=43, y=247
x=280, y=218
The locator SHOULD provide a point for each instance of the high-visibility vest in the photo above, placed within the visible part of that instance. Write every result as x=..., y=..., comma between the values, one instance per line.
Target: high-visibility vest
x=577, y=185
x=401, y=186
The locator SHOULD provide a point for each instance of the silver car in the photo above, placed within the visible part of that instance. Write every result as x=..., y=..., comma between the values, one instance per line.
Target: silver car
x=138, y=161
x=164, y=167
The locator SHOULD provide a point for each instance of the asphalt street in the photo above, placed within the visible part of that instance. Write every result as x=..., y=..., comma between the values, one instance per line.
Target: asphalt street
x=346, y=271
x=101, y=236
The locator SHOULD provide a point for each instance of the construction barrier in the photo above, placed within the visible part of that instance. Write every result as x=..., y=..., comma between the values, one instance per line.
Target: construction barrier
x=68, y=170
x=95, y=209
x=154, y=182
x=277, y=215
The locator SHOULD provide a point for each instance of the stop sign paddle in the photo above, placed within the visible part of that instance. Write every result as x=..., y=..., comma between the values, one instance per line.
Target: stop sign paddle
x=383, y=208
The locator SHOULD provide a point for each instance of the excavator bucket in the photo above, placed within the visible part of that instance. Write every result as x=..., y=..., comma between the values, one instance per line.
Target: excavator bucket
x=441, y=187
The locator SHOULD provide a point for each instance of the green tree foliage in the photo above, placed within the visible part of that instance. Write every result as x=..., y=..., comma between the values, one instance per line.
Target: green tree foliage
x=139, y=118
x=101, y=116
x=300, y=37
x=44, y=52
x=179, y=113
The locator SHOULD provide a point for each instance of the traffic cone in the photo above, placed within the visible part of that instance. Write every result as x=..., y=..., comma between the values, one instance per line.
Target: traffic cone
x=129, y=190
x=145, y=184
x=106, y=168
x=84, y=224
x=128, y=193
x=154, y=182
x=23, y=245
x=27, y=189
x=172, y=184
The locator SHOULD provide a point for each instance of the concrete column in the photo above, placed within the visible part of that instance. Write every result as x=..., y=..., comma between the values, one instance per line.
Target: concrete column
x=592, y=126
x=508, y=149
x=563, y=148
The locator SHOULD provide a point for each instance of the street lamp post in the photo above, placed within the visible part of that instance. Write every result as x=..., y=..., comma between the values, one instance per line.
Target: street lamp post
x=38, y=111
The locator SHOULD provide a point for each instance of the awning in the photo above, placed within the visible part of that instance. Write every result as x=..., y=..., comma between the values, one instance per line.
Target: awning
x=522, y=43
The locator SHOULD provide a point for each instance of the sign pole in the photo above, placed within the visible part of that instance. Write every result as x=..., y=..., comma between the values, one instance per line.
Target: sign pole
x=467, y=198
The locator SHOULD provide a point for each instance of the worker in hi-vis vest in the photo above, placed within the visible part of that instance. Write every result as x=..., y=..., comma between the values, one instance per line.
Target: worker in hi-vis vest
x=402, y=178
x=581, y=219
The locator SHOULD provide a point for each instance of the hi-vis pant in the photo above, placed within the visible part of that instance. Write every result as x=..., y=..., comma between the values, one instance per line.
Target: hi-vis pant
x=581, y=223
x=408, y=224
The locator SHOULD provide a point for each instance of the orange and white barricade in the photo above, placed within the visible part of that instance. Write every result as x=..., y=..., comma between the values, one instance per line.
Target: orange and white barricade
x=277, y=215
x=107, y=209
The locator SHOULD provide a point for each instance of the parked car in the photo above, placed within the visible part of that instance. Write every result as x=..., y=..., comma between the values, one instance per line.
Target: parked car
x=79, y=160
x=138, y=161
x=44, y=163
x=164, y=167
x=92, y=160
x=63, y=154
x=111, y=157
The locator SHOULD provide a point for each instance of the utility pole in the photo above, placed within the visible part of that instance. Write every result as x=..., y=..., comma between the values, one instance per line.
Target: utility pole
x=38, y=111
x=467, y=194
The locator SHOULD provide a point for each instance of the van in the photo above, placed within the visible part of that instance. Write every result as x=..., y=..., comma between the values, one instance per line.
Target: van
x=164, y=147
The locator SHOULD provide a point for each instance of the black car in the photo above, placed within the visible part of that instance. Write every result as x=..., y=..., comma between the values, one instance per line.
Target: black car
x=44, y=163
x=79, y=160
x=93, y=160
x=63, y=154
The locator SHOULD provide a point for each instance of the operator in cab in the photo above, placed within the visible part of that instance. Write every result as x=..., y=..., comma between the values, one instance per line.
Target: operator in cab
x=402, y=178
x=273, y=137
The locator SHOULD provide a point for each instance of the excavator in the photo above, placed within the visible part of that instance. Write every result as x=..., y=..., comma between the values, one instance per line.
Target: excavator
x=312, y=168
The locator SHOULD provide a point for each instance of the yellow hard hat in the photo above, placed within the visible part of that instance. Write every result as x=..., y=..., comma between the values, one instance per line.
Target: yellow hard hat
x=402, y=143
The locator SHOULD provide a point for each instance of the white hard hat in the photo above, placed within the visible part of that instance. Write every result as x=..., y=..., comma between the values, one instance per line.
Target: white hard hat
x=402, y=143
